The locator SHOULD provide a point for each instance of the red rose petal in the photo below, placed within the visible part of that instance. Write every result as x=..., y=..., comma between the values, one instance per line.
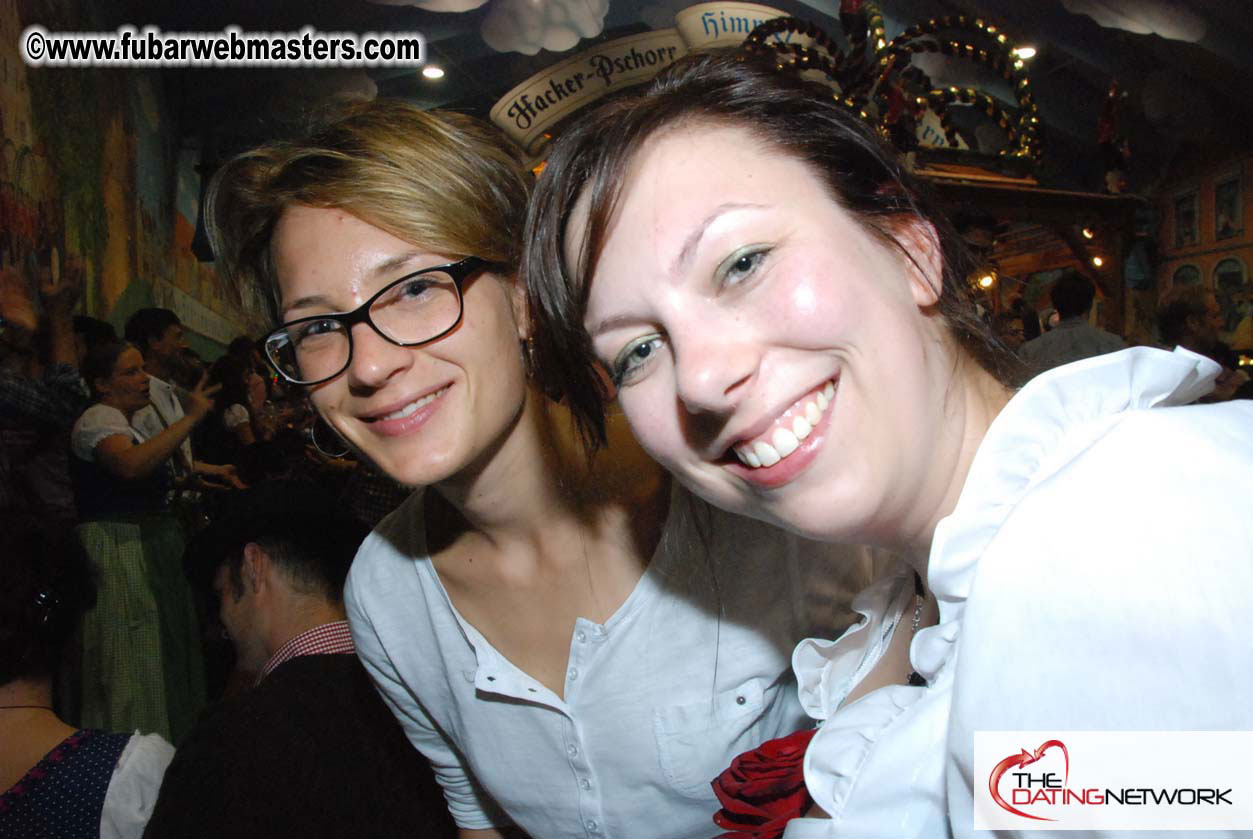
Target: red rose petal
x=764, y=789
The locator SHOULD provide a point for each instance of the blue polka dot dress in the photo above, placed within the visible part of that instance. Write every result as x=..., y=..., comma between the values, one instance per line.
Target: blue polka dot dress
x=62, y=796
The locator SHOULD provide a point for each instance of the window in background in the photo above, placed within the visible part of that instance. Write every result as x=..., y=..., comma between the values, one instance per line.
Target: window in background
x=1185, y=219
x=1228, y=221
x=1186, y=275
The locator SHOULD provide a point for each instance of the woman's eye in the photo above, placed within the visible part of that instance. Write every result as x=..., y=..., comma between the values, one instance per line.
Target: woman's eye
x=414, y=288
x=313, y=329
x=634, y=358
x=408, y=294
x=741, y=265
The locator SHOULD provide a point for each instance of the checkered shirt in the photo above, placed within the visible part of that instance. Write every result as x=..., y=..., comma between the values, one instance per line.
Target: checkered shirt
x=327, y=639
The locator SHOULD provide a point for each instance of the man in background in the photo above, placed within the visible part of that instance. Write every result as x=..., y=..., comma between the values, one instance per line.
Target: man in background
x=158, y=335
x=311, y=751
x=1073, y=338
x=41, y=395
x=1190, y=317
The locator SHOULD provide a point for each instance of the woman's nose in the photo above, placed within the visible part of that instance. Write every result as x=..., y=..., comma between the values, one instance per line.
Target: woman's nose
x=375, y=360
x=713, y=369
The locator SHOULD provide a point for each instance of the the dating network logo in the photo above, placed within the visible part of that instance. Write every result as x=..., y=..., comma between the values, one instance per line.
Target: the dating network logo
x=1020, y=761
x=1084, y=780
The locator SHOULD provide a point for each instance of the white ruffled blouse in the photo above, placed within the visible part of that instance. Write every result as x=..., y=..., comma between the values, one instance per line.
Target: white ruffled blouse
x=1079, y=508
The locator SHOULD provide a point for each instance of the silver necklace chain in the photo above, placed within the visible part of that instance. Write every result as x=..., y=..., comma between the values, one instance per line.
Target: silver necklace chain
x=915, y=678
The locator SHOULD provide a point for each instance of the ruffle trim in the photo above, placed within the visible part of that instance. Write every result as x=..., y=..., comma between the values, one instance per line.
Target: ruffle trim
x=827, y=670
x=1024, y=445
x=844, y=742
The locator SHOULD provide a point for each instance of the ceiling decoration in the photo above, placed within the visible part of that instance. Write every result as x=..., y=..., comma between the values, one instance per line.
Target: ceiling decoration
x=527, y=26
x=1144, y=17
x=1185, y=98
x=435, y=5
x=876, y=78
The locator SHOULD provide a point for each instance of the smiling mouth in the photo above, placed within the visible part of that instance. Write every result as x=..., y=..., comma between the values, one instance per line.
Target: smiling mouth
x=793, y=426
x=412, y=408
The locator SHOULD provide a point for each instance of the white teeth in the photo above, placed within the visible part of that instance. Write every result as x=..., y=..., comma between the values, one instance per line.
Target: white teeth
x=403, y=412
x=748, y=458
x=785, y=442
x=413, y=406
x=766, y=453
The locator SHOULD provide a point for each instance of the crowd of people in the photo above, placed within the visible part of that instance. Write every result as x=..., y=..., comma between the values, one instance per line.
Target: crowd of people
x=641, y=474
x=114, y=454
x=1188, y=316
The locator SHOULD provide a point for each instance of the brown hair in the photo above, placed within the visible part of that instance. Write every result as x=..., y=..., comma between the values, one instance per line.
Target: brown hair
x=100, y=361
x=441, y=181
x=799, y=118
x=47, y=583
x=1072, y=294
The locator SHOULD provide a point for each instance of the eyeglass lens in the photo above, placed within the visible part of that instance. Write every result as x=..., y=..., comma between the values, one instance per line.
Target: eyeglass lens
x=412, y=310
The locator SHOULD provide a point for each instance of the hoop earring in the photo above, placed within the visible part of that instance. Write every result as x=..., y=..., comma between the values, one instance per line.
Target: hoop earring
x=313, y=438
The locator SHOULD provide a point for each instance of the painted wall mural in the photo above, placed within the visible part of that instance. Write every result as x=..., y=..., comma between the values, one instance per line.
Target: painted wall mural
x=90, y=163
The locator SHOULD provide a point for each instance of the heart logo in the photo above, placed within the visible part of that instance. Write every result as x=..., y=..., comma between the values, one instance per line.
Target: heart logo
x=1024, y=758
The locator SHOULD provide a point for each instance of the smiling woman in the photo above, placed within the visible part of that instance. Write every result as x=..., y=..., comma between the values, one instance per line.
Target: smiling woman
x=576, y=646
x=140, y=664
x=794, y=340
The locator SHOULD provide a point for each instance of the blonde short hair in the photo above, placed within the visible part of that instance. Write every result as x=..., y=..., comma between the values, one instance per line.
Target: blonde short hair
x=442, y=181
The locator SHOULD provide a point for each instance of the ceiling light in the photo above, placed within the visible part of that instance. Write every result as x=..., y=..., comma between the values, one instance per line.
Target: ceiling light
x=1024, y=52
x=1097, y=261
x=986, y=281
x=431, y=71
x=1087, y=233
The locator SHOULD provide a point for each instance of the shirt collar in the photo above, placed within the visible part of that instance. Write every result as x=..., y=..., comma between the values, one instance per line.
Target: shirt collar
x=1026, y=436
x=328, y=639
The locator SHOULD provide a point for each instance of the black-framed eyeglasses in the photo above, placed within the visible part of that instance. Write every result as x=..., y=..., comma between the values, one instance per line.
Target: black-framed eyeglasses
x=416, y=309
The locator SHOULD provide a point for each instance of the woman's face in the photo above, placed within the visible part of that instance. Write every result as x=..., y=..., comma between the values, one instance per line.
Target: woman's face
x=127, y=388
x=775, y=356
x=422, y=414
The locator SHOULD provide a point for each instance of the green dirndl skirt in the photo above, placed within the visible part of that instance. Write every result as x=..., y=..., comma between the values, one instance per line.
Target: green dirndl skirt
x=141, y=666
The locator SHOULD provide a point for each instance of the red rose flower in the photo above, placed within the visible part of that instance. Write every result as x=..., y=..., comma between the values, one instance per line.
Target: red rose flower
x=764, y=789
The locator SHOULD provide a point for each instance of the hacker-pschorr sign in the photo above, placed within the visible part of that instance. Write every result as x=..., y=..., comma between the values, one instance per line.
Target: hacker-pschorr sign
x=530, y=109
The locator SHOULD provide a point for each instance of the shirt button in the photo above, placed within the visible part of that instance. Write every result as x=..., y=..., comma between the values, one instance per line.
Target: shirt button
x=584, y=783
x=739, y=700
x=572, y=750
x=580, y=636
x=592, y=826
x=574, y=673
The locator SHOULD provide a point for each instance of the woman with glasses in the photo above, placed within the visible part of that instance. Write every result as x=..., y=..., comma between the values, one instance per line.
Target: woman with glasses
x=576, y=647
x=796, y=341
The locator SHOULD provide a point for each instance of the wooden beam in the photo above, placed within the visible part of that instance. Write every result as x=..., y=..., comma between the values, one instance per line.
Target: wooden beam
x=1014, y=202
